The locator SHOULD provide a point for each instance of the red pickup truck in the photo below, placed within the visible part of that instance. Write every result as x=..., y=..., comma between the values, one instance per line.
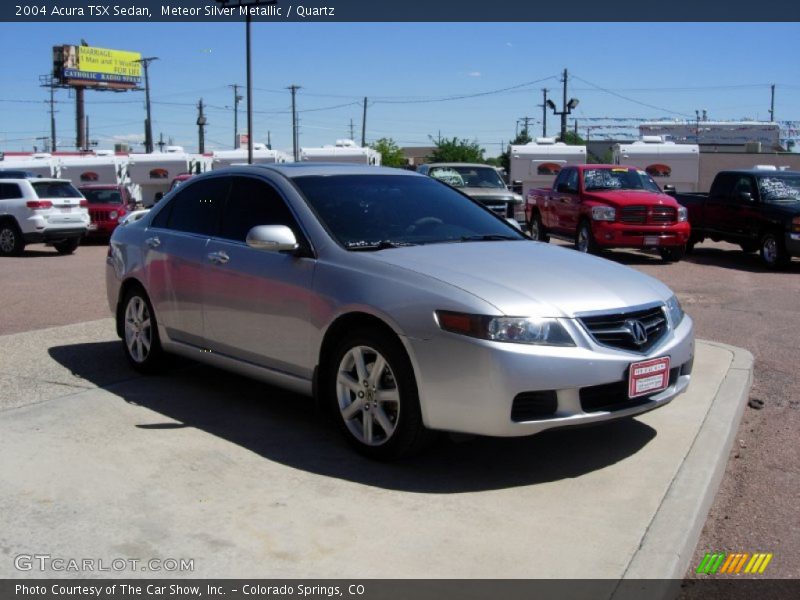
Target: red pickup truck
x=608, y=206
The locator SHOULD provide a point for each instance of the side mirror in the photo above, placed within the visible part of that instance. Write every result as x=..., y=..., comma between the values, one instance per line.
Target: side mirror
x=745, y=196
x=272, y=238
x=669, y=189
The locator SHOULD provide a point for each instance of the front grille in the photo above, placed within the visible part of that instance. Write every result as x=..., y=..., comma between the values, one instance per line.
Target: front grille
x=497, y=208
x=616, y=329
x=614, y=396
x=652, y=215
x=99, y=214
x=534, y=406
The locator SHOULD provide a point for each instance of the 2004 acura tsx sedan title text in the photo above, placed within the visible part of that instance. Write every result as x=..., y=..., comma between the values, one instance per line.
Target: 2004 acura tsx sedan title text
x=401, y=304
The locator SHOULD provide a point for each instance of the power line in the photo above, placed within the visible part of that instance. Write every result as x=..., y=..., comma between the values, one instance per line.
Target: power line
x=630, y=99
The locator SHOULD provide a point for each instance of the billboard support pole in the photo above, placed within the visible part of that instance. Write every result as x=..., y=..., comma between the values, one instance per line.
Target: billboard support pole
x=148, y=124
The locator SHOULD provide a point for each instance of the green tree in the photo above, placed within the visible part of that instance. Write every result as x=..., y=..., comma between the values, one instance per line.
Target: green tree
x=523, y=137
x=573, y=139
x=391, y=153
x=455, y=150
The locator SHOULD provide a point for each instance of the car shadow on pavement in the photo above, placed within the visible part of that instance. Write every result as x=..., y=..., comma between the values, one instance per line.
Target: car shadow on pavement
x=289, y=429
x=737, y=260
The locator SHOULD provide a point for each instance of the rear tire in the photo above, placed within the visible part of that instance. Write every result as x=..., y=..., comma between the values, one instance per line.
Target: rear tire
x=537, y=229
x=67, y=246
x=370, y=388
x=139, y=328
x=584, y=239
x=772, y=251
x=11, y=242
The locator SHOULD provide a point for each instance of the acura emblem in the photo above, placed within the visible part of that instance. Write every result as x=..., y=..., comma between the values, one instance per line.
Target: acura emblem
x=637, y=331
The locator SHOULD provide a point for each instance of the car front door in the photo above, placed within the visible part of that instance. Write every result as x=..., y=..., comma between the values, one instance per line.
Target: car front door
x=258, y=303
x=175, y=251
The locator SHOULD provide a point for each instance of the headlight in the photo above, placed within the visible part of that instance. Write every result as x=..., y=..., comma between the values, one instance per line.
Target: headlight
x=674, y=312
x=113, y=215
x=516, y=330
x=683, y=214
x=603, y=213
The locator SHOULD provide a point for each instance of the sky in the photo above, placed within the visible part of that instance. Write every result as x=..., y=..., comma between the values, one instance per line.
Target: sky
x=473, y=81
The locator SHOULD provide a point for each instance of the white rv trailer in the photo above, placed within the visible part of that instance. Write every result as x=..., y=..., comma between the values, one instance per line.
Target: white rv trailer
x=345, y=151
x=151, y=174
x=261, y=155
x=101, y=167
x=41, y=164
x=537, y=163
x=666, y=162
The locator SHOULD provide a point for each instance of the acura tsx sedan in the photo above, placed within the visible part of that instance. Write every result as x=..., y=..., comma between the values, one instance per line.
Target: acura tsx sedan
x=403, y=306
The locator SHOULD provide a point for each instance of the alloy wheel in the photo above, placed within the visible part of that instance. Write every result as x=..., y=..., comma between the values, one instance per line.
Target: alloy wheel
x=8, y=240
x=138, y=329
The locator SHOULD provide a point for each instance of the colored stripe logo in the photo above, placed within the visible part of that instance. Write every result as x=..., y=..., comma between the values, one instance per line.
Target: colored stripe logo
x=732, y=563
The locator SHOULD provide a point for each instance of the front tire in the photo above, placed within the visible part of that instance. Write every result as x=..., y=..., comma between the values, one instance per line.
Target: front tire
x=372, y=393
x=11, y=242
x=672, y=254
x=67, y=246
x=772, y=251
x=139, y=328
x=584, y=239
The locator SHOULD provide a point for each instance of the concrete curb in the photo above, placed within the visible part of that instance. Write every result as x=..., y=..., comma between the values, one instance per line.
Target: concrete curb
x=669, y=542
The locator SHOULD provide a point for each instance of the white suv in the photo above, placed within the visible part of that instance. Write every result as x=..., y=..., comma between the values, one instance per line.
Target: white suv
x=41, y=210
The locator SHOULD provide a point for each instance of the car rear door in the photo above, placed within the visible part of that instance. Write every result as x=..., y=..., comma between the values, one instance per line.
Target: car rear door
x=175, y=254
x=258, y=304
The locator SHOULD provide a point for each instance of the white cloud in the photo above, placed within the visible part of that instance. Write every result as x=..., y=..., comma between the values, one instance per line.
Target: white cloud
x=474, y=74
x=129, y=137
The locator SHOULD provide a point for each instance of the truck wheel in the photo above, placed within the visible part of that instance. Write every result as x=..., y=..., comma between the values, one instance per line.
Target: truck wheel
x=11, y=242
x=537, y=229
x=772, y=251
x=67, y=246
x=584, y=239
x=673, y=254
x=370, y=387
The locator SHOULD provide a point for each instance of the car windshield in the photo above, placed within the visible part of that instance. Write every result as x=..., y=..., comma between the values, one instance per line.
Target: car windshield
x=618, y=179
x=782, y=189
x=468, y=176
x=102, y=196
x=373, y=212
x=55, y=189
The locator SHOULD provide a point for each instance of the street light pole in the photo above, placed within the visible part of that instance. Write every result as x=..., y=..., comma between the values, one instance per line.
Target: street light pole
x=148, y=124
x=248, y=19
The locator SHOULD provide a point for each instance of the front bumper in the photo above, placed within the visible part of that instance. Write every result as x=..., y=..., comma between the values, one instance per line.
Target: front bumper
x=101, y=228
x=793, y=244
x=469, y=385
x=623, y=235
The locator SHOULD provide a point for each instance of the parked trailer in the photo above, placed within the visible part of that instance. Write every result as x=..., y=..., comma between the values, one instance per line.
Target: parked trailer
x=670, y=164
x=152, y=174
x=261, y=155
x=345, y=151
x=41, y=164
x=103, y=167
x=537, y=163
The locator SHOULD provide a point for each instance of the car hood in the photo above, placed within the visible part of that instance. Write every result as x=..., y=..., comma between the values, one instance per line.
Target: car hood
x=526, y=278
x=630, y=198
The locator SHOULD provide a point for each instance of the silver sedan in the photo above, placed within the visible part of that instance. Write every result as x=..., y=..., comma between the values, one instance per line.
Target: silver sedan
x=401, y=304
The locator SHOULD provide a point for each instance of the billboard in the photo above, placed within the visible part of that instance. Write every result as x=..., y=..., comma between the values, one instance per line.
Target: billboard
x=87, y=66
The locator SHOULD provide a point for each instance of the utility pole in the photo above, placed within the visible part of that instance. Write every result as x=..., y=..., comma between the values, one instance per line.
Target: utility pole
x=352, y=133
x=772, y=103
x=567, y=108
x=269, y=140
x=544, y=113
x=236, y=99
x=80, y=119
x=161, y=142
x=294, y=89
x=47, y=81
x=364, y=125
x=525, y=128
x=148, y=123
x=564, y=113
x=201, y=128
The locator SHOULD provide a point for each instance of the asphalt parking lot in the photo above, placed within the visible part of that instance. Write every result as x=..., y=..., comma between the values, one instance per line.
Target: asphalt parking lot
x=732, y=299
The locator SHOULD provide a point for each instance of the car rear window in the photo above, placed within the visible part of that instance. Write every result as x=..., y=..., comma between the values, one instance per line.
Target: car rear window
x=55, y=189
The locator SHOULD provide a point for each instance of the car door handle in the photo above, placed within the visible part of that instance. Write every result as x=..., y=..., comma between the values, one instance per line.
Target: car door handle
x=153, y=242
x=219, y=258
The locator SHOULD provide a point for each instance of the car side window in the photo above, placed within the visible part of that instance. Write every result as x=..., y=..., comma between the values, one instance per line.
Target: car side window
x=744, y=185
x=9, y=191
x=253, y=202
x=196, y=208
x=560, y=178
x=572, y=181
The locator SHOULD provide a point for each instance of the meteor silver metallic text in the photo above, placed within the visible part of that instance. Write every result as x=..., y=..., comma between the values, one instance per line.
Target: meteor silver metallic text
x=403, y=305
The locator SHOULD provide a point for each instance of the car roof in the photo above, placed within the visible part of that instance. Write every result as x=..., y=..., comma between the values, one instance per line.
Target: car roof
x=35, y=180
x=99, y=186
x=770, y=172
x=458, y=164
x=292, y=170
